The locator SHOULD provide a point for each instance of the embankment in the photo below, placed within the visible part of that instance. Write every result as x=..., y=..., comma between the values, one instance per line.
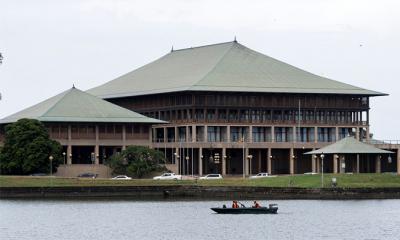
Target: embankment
x=198, y=192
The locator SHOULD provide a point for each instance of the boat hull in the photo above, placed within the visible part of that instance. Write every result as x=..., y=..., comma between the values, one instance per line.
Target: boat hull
x=262, y=210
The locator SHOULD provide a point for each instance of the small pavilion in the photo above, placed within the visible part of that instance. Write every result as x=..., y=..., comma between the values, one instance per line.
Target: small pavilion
x=351, y=155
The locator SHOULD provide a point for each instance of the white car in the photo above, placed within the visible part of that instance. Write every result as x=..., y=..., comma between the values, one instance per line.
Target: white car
x=168, y=176
x=260, y=175
x=121, y=177
x=212, y=176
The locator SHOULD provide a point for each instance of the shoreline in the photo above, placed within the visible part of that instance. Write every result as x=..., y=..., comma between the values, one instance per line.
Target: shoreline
x=198, y=193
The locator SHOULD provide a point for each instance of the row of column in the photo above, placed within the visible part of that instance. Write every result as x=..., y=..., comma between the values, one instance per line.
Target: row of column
x=97, y=145
x=339, y=162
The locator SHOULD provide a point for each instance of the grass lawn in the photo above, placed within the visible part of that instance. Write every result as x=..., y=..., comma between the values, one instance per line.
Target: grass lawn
x=306, y=181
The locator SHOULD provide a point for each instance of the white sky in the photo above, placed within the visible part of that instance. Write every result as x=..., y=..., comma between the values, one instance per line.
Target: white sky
x=49, y=45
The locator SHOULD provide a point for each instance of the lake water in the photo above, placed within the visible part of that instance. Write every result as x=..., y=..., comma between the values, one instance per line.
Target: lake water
x=129, y=219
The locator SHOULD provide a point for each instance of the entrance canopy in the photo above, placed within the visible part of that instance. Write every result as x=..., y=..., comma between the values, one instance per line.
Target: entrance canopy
x=349, y=145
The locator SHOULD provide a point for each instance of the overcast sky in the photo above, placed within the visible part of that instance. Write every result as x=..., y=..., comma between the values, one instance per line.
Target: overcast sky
x=50, y=45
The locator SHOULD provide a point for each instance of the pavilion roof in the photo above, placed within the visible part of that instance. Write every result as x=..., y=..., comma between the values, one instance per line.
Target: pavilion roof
x=75, y=105
x=226, y=67
x=349, y=145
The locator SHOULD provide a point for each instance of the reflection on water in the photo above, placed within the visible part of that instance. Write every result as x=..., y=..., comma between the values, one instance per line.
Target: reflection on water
x=109, y=219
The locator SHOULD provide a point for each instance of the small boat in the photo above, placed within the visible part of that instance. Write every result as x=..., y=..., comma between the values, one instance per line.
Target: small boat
x=271, y=209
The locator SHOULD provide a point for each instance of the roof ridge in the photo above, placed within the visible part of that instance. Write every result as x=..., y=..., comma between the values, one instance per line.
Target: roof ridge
x=215, y=66
x=208, y=45
x=59, y=100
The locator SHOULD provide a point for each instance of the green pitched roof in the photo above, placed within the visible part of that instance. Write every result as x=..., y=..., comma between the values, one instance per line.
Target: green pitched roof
x=349, y=145
x=228, y=67
x=75, y=105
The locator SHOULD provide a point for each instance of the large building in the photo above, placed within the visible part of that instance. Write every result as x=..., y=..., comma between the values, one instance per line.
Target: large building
x=89, y=129
x=233, y=110
x=227, y=109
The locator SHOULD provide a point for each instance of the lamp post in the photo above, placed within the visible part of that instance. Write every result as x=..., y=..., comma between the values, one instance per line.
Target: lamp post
x=177, y=160
x=322, y=170
x=70, y=157
x=64, y=154
x=250, y=157
x=187, y=164
x=244, y=173
x=51, y=165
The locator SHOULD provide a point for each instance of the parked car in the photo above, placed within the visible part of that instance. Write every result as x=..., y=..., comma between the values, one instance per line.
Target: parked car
x=260, y=175
x=212, y=176
x=38, y=174
x=87, y=175
x=168, y=176
x=310, y=173
x=121, y=177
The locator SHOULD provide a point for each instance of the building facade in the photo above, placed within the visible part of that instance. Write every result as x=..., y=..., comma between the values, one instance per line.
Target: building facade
x=220, y=108
x=234, y=111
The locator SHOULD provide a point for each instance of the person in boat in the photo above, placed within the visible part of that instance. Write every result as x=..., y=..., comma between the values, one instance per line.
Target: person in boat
x=235, y=204
x=256, y=205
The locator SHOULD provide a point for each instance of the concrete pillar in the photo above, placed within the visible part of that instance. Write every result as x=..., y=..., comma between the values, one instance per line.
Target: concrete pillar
x=205, y=133
x=228, y=133
x=246, y=162
x=313, y=163
x=165, y=134
x=291, y=161
x=337, y=133
x=69, y=147
x=367, y=137
x=200, y=161
x=269, y=161
x=194, y=134
x=295, y=135
x=187, y=134
x=223, y=161
x=142, y=130
x=315, y=134
x=273, y=134
x=96, y=154
x=250, y=134
x=318, y=164
x=69, y=154
x=398, y=161
x=378, y=164
x=335, y=163
x=124, y=136
x=357, y=133
x=358, y=163
x=176, y=138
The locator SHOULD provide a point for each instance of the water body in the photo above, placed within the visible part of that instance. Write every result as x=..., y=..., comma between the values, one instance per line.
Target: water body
x=128, y=219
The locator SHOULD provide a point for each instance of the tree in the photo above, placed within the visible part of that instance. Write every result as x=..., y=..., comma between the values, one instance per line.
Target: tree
x=136, y=161
x=27, y=148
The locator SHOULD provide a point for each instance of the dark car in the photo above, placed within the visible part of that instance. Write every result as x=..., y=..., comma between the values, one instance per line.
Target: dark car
x=87, y=175
x=38, y=174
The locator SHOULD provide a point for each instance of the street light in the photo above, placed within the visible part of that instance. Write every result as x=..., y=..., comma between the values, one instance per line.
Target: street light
x=250, y=157
x=64, y=156
x=322, y=170
x=187, y=164
x=51, y=165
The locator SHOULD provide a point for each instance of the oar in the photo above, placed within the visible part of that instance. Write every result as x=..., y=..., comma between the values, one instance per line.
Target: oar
x=241, y=204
